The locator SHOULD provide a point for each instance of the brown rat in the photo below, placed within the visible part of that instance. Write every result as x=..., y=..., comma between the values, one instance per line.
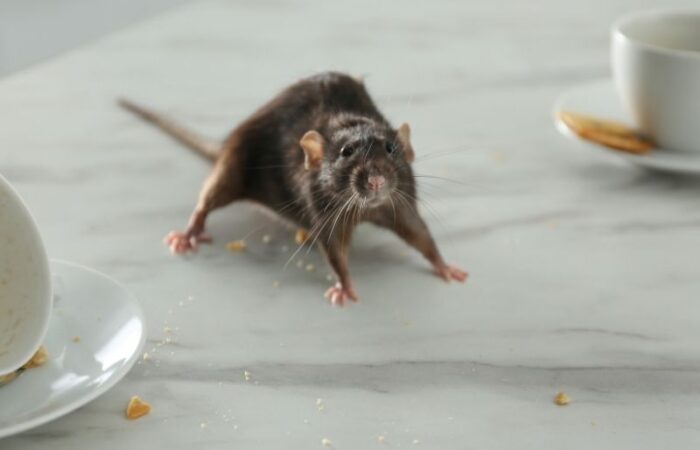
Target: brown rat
x=321, y=155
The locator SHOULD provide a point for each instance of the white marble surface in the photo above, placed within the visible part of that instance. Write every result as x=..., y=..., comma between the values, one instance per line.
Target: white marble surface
x=584, y=271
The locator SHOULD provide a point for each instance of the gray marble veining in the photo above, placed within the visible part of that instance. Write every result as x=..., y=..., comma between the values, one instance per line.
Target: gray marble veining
x=584, y=271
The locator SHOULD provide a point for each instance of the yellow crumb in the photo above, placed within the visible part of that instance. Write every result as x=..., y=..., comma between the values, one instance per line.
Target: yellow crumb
x=76, y=339
x=39, y=358
x=310, y=268
x=7, y=378
x=137, y=408
x=301, y=236
x=326, y=442
x=561, y=399
x=236, y=246
x=247, y=375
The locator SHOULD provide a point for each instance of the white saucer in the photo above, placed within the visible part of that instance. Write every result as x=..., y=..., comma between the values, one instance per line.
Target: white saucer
x=109, y=327
x=599, y=99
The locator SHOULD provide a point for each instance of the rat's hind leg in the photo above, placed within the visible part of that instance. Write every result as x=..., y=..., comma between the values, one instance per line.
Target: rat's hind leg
x=219, y=190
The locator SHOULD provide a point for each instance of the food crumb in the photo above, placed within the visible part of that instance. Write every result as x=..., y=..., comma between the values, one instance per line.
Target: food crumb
x=329, y=277
x=416, y=442
x=236, y=246
x=301, y=236
x=326, y=443
x=137, y=408
x=146, y=356
x=300, y=263
x=203, y=425
x=247, y=375
x=275, y=284
x=76, y=339
x=381, y=439
x=39, y=358
x=561, y=399
x=320, y=405
x=266, y=239
x=310, y=267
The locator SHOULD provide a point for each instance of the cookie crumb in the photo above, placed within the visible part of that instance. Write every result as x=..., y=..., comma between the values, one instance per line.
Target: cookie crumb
x=247, y=375
x=320, y=405
x=236, y=246
x=39, y=358
x=301, y=236
x=326, y=443
x=137, y=408
x=416, y=442
x=203, y=425
x=310, y=267
x=76, y=339
x=381, y=439
x=146, y=356
x=561, y=399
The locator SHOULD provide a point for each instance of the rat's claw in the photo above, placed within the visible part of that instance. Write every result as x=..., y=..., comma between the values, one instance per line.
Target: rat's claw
x=338, y=294
x=180, y=242
x=449, y=273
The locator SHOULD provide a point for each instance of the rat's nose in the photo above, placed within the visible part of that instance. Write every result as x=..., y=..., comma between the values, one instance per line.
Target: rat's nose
x=376, y=182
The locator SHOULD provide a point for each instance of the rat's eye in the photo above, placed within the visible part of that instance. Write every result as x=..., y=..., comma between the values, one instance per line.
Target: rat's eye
x=347, y=151
x=390, y=147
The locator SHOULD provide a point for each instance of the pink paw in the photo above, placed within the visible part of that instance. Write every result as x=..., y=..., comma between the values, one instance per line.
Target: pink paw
x=338, y=294
x=180, y=242
x=449, y=273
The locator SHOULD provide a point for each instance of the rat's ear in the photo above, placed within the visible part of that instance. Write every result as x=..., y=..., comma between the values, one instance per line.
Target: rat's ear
x=312, y=143
x=404, y=134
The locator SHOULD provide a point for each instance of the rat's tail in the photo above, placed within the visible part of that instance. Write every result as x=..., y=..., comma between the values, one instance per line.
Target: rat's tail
x=205, y=147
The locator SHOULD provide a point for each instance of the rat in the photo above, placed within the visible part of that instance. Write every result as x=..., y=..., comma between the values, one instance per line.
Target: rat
x=321, y=155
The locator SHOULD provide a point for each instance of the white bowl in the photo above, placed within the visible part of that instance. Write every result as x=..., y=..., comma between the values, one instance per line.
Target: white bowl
x=25, y=282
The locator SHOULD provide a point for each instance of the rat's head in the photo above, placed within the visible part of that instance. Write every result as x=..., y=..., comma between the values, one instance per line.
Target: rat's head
x=360, y=157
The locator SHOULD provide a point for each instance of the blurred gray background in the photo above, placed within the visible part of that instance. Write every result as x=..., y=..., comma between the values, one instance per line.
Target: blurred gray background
x=33, y=30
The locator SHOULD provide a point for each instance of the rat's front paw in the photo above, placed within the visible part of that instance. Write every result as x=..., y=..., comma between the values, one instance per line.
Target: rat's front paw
x=180, y=242
x=449, y=273
x=338, y=294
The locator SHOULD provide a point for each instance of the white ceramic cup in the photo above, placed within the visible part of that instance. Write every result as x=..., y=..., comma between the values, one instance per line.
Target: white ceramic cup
x=25, y=282
x=656, y=68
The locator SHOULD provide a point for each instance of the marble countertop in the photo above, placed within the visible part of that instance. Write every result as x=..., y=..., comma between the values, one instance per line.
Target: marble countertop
x=584, y=271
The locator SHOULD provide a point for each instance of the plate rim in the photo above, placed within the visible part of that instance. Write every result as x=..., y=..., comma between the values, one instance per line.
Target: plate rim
x=638, y=160
x=100, y=390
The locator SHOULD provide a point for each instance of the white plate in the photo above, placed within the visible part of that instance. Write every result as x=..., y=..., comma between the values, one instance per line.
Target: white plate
x=599, y=99
x=111, y=327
